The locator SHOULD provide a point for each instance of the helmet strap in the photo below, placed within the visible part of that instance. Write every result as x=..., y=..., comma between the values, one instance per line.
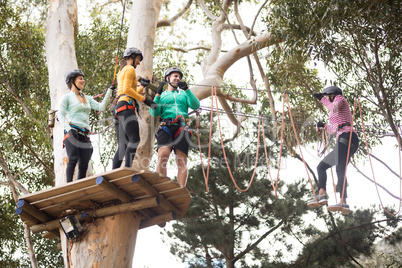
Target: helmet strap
x=332, y=97
x=175, y=87
x=79, y=89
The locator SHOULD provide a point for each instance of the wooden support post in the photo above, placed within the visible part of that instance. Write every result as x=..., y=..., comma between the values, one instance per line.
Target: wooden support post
x=158, y=220
x=102, y=212
x=28, y=208
x=26, y=216
x=110, y=187
x=165, y=204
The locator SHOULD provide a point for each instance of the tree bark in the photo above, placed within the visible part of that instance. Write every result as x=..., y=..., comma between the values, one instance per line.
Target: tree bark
x=60, y=54
x=107, y=242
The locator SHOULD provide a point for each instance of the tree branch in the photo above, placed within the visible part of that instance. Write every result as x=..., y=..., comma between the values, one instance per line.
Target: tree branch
x=252, y=246
x=169, y=22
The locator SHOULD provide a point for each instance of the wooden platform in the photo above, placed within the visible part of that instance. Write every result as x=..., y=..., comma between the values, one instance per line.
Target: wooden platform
x=157, y=198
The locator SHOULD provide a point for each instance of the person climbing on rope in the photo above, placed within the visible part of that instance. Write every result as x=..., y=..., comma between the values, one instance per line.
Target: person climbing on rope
x=173, y=132
x=125, y=107
x=77, y=107
x=340, y=119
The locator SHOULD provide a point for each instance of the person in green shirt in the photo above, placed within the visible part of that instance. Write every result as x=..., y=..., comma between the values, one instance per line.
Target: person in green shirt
x=73, y=114
x=173, y=133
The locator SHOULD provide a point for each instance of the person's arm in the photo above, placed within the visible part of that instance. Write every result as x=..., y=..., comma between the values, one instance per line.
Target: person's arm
x=335, y=105
x=61, y=113
x=100, y=106
x=158, y=110
x=192, y=101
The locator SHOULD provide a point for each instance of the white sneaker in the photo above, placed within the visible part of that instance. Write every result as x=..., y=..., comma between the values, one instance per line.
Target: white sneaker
x=321, y=200
x=344, y=208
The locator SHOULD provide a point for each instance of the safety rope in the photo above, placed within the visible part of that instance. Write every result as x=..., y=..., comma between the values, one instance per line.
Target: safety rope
x=214, y=96
x=372, y=169
x=206, y=176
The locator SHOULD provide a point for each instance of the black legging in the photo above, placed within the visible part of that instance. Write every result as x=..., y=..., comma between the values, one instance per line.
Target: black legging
x=79, y=149
x=127, y=134
x=337, y=157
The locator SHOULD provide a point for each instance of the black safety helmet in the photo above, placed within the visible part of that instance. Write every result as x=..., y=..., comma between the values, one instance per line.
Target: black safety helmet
x=332, y=90
x=173, y=70
x=71, y=75
x=132, y=50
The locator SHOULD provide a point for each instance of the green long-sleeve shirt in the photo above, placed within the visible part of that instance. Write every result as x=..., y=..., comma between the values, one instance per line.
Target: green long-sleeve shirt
x=174, y=103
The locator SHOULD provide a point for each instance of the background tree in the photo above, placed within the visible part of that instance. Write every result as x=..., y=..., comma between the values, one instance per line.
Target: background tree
x=25, y=150
x=358, y=42
x=225, y=225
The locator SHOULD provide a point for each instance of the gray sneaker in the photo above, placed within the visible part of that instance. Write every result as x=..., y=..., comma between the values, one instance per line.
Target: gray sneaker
x=343, y=208
x=321, y=200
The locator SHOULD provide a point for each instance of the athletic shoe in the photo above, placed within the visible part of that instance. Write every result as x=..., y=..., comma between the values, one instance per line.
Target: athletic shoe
x=344, y=208
x=322, y=200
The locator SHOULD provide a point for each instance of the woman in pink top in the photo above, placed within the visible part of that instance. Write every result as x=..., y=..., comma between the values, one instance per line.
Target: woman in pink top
x=340, y=119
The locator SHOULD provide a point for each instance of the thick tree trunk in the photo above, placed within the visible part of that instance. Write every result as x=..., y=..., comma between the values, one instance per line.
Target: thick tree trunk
x=142, y=35
x=108, y=242
x=60, y=54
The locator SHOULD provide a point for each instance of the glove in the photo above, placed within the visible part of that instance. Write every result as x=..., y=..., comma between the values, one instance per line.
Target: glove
x=183, y=85
x=150, y=103
x=112, y=87
x=160, y=88
x=145, y=82
x=320, y=124
x=318, y=96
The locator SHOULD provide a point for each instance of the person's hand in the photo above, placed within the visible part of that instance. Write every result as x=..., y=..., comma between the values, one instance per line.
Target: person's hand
x=150, y=103
x=160, y=87
x=318, y=96
x=183, y=85
x=320, y=124
x=112, y=87
x=145, y=82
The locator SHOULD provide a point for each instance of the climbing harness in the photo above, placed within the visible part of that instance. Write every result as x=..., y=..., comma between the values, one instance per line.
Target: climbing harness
x=179, y=120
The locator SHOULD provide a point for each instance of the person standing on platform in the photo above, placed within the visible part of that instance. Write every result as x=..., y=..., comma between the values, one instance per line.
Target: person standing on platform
x=73, y=114
x=173, y=132
x=125, y=107
x=340, y=119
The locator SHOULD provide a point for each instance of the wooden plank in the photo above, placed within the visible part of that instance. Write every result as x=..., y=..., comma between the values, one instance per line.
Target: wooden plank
x=152, y=192
x=158, y=220
x=77, y=185
x=114, y=190
x=33, y=211
x=102, y=212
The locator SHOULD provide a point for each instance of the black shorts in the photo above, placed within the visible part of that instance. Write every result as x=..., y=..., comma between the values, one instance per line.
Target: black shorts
x=181, y=142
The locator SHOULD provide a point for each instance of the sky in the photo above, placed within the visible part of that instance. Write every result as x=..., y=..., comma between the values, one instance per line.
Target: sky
x=151, y=252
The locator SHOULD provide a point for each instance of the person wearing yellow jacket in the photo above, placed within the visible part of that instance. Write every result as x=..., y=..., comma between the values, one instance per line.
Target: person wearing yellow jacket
x=174, y=133
x=126, y=107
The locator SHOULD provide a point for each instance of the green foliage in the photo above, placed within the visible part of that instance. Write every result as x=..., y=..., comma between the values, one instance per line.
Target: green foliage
x=359, y=41
x=219, y=222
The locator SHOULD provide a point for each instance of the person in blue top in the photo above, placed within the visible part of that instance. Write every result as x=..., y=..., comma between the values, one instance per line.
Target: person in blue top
x=73, y=114
x=173, y=133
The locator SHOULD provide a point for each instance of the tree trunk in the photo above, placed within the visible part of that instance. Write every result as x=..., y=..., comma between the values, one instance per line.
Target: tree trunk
x=142, y=36
x=107, y=242
x=60, y=54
